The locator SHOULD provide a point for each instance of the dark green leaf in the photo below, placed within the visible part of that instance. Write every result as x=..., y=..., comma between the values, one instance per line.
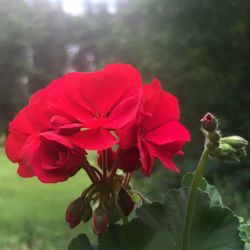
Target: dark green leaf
x=134, y=235
x=80, y=243
x=162, y=240
x=153, y=215
x=214, y=227
x=204, y=186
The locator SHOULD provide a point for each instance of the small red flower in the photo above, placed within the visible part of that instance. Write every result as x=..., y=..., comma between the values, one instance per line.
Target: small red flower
x=157, y=131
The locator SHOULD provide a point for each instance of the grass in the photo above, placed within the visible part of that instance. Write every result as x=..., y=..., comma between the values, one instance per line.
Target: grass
x=32, y=214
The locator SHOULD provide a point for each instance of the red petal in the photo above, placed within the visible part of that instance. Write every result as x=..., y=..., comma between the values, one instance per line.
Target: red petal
x=69, y=102
x=52, y=136
x=26, y=168
x=127, y=136
x=169, y=132
x=146, y=157
x=87, y=96
x=162, y=105
x=69, y=129
x=14, y=144
x=123, y=113
x=22, y=123
x=94, y=139
x=24, y=172
x=163, y=154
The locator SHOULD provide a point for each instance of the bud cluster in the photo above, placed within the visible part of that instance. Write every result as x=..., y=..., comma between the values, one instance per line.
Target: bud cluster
x=103, y=203
x=232, y=148
x=228, y=149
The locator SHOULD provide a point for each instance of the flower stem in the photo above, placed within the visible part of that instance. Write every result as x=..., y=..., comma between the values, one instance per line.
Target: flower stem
x=127, y=179
x=115, y=164
x=91, y=173
x=104, y=163
x=191, y=199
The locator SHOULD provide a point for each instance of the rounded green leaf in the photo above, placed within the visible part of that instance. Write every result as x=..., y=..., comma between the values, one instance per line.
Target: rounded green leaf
x=214, y=227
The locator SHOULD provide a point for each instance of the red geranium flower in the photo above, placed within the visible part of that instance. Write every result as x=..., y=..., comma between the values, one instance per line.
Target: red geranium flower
x=101, y=101
x=39, y=151
x=157, y=131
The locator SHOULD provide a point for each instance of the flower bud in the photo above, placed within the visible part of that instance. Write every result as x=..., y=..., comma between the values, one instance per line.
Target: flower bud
x=241, y=152
x=209, y=122
x=235, y=141
x=114, y=215
x=125, y=202
x=99, y=221
x=74, y=212
x=109, y=203
x=86, y=213
x=226, y=152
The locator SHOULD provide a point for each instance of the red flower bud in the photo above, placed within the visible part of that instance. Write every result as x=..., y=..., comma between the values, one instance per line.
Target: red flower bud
x=74, y=212
x=86, y=213
x=114, y=215
x=125, y=202
x=99, y=221
x=209, y=122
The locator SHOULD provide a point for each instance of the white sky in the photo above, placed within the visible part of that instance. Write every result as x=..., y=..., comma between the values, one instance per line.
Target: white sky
x=72, y=6
x=75, y=7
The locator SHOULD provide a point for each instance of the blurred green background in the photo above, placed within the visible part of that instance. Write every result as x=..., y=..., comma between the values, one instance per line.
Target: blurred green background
x=199, y=49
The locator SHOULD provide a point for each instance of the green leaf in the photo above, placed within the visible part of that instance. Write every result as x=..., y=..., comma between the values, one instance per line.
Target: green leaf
x=154, y=215
x=162, y=240
x=245, y=232
x=214, y=227
x=134, y=235
x=204, y=186
x=81, y=242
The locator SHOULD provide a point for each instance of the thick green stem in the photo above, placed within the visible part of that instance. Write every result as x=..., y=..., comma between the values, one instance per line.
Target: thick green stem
x=191, y=199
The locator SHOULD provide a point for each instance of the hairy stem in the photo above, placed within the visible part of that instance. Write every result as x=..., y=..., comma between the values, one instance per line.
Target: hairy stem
x=104, y=164
x=191, y=199
x=91, y=173
x=127, y=179
x=115, y=164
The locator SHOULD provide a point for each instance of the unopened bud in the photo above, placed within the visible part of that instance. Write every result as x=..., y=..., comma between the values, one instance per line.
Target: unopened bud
x=226, y=152
x=241, y=152
x=99, y=221
x=235, y=141
x=109, y=203
x=86, y=213
x=114, y=215
x=74, y=212
x=125, y=202
x=209, y=122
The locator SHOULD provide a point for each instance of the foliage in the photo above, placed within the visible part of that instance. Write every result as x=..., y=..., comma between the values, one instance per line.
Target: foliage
x=159, y=225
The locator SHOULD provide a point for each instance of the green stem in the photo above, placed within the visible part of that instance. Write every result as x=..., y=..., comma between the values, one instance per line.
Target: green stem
x=191, y=199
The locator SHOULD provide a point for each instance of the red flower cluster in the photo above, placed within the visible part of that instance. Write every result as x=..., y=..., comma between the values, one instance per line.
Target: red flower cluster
x=109, y=110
